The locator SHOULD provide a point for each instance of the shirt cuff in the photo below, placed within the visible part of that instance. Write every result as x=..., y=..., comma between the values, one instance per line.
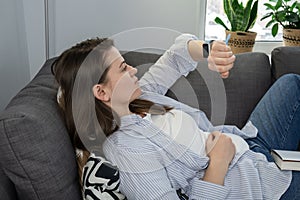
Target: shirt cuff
x=181, y=52
x=206, y=190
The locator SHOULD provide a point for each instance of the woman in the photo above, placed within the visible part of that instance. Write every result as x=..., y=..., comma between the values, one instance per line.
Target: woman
x=98, y=87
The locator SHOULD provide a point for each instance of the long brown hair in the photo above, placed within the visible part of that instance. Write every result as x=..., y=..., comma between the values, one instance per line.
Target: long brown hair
x=66, y=69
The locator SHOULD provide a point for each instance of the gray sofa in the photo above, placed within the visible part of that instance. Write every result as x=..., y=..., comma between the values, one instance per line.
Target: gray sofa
x=37, y=160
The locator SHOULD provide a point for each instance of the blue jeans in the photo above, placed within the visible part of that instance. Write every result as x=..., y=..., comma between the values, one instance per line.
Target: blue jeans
x=277, y=118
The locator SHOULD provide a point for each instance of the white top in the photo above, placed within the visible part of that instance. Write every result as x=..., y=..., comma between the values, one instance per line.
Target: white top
x=183, y=129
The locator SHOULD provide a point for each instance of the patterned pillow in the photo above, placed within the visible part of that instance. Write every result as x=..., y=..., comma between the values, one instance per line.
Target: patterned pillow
x=100, y=180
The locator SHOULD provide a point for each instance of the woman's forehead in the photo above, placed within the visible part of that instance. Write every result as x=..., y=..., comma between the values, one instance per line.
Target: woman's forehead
x=111, y=55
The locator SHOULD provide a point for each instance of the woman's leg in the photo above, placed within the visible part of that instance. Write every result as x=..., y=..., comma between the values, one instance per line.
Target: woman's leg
x=277, y=118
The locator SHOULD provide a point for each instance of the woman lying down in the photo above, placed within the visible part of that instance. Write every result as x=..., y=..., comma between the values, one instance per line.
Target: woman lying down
x=159, y=148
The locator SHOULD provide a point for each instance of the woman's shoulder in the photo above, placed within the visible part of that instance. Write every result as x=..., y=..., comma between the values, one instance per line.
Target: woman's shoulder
x=100, y=179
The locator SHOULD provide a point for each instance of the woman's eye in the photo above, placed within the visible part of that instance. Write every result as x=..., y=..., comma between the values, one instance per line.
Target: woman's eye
x=124, y=67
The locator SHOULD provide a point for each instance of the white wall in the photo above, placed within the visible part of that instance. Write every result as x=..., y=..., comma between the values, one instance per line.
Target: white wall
x=14, y=64
x=76, y=20
x=71, y=21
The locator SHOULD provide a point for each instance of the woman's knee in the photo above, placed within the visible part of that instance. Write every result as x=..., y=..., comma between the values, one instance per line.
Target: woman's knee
x=290, y=79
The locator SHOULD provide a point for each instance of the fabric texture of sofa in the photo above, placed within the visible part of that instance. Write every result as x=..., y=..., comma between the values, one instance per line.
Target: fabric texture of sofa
x=37, y=160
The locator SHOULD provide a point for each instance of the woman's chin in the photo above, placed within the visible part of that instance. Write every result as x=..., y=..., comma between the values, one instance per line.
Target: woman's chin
x=137, y=93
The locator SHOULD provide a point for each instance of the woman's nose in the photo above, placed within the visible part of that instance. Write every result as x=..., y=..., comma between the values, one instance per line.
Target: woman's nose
x=132, y=71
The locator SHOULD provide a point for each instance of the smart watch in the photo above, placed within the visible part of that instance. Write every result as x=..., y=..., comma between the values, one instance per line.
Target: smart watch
x=206, y=48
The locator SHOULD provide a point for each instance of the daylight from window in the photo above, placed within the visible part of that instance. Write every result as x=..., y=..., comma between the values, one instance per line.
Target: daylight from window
x=214, y=31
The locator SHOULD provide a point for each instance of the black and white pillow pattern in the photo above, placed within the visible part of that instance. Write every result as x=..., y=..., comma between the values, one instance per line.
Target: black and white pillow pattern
x=100, y=180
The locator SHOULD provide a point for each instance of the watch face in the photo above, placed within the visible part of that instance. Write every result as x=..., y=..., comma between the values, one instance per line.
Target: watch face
x=205, y=48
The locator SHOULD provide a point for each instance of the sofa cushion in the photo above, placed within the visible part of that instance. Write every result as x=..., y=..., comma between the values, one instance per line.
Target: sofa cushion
x=38, y=158
x=285, y=60
x=7, y=188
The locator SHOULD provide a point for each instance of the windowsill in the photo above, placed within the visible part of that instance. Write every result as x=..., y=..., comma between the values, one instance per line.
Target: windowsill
x=266, y=47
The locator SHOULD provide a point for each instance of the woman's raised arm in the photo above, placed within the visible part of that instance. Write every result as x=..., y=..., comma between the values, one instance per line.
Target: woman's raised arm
x=174, y=63
x=183, y=57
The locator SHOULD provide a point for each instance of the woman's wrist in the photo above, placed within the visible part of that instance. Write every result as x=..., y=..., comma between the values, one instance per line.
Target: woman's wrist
x=195, y=49
x=220, y=164
x=216, y=171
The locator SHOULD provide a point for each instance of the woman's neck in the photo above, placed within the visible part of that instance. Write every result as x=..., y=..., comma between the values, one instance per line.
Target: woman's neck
x=122, y=110
x=122, y=113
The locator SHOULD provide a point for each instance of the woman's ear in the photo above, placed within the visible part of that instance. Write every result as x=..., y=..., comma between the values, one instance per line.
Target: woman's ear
x=100, y=93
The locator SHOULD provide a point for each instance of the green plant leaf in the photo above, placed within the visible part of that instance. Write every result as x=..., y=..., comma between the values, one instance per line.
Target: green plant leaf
x=280, y=16
x=275, y=29
x=292, y=17
x=226, y=6
x=298, y=6
x=278, y=4
x=270, y=23
x=246, y=16
x=229, y=12
x=234, y=15
x=294, y=5
x=240, y=18
x=269, y=6
x=253, y=16
x=235, y=4
x=266, y=16
x=219, y=21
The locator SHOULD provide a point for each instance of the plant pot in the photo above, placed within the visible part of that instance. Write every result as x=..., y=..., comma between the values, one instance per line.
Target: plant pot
x=291, y=37
x=241, y=42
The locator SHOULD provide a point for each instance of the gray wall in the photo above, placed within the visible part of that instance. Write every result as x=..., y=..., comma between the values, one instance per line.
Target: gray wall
x=35, y=33
x=76, y=20
x=14, y=64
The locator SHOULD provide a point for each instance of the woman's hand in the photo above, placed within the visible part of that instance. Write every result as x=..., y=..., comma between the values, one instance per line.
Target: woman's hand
x=220, y=147
x=220, y=58
x=220, y=150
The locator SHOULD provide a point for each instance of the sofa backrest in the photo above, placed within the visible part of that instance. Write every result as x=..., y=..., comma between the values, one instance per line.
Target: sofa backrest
x=37, y=160
x=249, y=79
x=285, y=60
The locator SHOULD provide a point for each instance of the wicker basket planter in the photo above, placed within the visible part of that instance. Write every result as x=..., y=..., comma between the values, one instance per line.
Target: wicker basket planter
x=241, y=42
x=291, y=37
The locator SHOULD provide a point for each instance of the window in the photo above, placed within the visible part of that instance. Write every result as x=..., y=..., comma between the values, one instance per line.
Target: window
x=214, y=31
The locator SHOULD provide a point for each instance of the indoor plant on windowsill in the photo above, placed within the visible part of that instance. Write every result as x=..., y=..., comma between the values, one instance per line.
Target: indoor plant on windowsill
x=241, y=19
x=286, y=14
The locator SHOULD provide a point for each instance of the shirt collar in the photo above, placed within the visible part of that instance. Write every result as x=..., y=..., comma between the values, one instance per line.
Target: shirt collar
x=128, y=120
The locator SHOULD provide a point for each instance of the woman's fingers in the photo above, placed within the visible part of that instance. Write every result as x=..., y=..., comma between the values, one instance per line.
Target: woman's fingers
x=211, y=141
x=221, y=54
x=225, y=74
x=221, y=58
x=220, y=68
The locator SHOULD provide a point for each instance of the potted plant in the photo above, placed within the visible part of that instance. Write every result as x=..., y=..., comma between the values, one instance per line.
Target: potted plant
x=241, y=19
x=286, y=14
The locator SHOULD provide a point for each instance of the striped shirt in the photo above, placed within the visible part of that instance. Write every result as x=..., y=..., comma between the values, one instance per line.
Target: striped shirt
x=153, y=166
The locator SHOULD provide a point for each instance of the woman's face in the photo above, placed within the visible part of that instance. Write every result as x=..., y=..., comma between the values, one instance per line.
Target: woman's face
x=121, y=83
